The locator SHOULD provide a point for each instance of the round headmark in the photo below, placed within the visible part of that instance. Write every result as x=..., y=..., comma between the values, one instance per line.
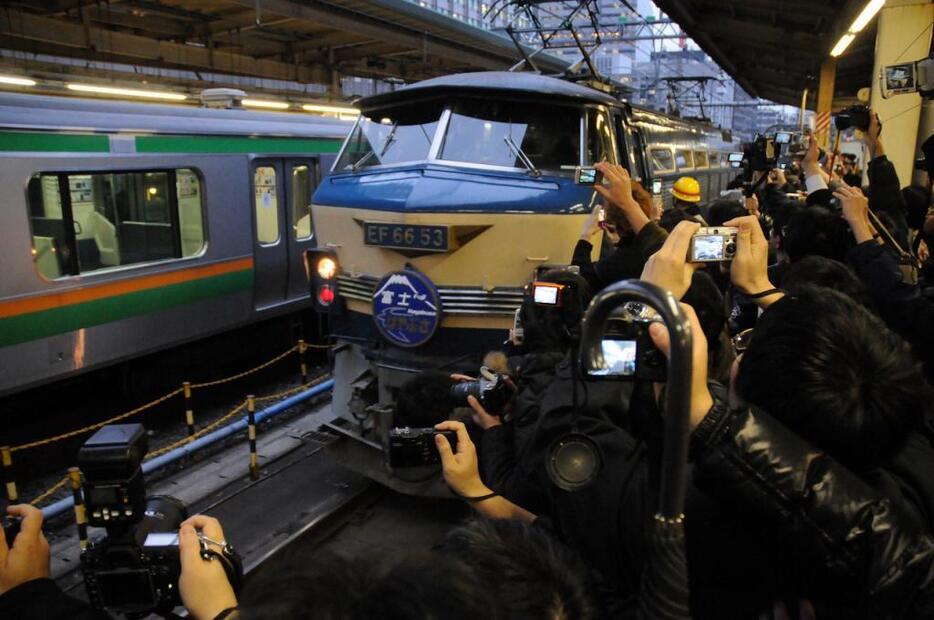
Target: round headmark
x=406, y=308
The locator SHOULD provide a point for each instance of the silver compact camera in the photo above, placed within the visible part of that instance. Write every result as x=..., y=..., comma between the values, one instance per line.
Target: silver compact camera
x=713, y=245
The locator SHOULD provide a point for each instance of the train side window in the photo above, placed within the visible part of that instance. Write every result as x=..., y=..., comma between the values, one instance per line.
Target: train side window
x=700, y=159
x=662, y=161
x=266, y=205
x=87, y=222
x=190, y=211
x=599, y=142
x=51, y=248
x=714, y=159
x=301, y=202
x=684, y=159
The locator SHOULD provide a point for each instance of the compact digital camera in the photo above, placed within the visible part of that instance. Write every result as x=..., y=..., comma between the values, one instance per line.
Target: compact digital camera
x=414, y=447
x=587, y=175
x=490, y=389
x=713, y=245
x=134, y=569
x=630, y=353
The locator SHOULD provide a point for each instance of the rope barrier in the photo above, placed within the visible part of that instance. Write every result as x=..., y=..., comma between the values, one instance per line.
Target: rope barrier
x=165, y=397
x=50, y=490
x=245, y=373
x=94, y=427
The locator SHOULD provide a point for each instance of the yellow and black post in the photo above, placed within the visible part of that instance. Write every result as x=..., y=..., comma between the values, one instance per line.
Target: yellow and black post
x=251, y=433
x=303, y=367
x=81, y=515
x=189, y=412
x=6, y=453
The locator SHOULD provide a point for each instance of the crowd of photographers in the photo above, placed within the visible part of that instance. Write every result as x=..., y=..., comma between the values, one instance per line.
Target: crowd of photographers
x=811, y=449
x=811, y=445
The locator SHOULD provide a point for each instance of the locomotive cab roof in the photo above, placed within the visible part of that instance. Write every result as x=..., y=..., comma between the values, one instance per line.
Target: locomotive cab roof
x=480, y=82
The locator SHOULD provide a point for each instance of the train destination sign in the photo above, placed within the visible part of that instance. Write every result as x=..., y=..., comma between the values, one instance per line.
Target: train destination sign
x=406, y=236
x=406, y=308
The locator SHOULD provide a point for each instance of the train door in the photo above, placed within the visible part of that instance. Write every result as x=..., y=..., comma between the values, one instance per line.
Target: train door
x=632, y=145
x=282, y=190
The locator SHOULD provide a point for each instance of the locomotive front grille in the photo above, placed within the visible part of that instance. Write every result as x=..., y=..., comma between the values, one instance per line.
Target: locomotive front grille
x=455, y=300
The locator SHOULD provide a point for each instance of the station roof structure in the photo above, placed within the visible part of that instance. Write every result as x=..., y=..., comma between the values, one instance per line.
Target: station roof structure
x=774, y=49
x=307, y=41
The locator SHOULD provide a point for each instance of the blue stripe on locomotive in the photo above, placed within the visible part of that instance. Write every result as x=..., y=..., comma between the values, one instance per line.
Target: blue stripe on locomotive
x=424, y=188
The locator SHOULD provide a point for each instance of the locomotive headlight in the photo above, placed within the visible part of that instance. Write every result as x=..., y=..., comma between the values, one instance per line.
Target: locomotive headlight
x=327, y=268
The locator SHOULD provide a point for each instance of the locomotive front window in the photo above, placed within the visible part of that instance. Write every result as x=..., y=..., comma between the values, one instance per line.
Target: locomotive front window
x=83, y=223
x=548, y=135
x=392, y=136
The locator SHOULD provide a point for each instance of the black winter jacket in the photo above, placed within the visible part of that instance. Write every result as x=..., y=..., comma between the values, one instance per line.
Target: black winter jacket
x=625, y=262
x=864, y=556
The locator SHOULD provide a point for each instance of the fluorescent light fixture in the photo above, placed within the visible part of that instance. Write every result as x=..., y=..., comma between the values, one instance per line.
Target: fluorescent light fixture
x=842, y=44
x=330, y=109
x=866, y=15
x=263, y=103
x=126, y=92
x=16, y=81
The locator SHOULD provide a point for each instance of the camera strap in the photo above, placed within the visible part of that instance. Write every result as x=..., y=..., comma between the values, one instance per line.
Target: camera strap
x=229, y=559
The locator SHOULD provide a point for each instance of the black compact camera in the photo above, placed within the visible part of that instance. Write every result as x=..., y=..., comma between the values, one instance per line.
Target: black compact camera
x=854, y=116
x=630, y=353
x=490, y=389
x=134, y=569
x=413, y=447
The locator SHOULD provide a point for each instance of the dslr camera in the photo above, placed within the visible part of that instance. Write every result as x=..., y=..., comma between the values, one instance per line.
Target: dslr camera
x=857, y=116
x=713, y=245
x=134, y=569
x=490, y=389
x=415, y=447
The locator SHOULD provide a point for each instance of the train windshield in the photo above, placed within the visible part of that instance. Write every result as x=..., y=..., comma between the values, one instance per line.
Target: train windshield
x=391, y=137
x=480, y=132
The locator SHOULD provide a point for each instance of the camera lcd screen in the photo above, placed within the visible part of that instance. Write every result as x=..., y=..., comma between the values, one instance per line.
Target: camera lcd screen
x=708, y=247
x=98, y=496
x=736, y=158
x=900, y=78
x=547, y=295
x=587, y=176
x=161, y=539
x=782, y=137
x=620, y=358
x=126, y=588
x=657, y=186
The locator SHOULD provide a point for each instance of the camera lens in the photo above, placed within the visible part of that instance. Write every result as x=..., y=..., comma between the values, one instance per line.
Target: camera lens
x=163, y=514
x=731, y=248
x=460, y=392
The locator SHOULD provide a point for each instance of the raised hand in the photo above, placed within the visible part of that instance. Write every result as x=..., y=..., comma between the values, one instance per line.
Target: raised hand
x=669, y=267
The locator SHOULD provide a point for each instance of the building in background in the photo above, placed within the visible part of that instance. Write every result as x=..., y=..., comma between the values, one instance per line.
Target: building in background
x=642, y=49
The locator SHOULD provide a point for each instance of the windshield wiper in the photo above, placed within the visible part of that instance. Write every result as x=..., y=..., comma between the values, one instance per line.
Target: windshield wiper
x=390, y=137
x=535, y=172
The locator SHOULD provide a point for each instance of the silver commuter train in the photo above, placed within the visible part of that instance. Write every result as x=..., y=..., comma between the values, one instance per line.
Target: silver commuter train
x=126, y=228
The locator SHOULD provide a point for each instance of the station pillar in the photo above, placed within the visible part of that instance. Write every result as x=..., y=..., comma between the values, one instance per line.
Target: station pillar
x=903, y=34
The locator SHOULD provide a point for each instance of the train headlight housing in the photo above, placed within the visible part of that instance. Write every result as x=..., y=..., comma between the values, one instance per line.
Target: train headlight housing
x=327, y=268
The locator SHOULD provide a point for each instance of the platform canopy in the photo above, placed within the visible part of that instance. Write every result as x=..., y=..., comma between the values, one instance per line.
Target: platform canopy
x=774, y=48
x=308, y=41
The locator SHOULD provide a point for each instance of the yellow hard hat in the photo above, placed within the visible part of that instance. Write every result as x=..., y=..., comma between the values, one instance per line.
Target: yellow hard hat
x=686, y=189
